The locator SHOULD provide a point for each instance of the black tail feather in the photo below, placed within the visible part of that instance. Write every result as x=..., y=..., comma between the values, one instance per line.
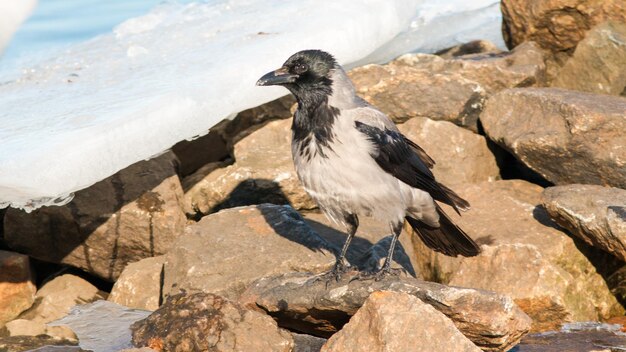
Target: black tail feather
x=448, y=238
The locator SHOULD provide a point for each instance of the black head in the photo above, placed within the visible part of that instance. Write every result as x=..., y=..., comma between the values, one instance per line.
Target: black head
x=307, y=71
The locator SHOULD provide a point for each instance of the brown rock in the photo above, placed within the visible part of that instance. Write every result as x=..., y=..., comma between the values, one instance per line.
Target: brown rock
x=556, y=25
x=224, y=252
x=194, y=154
x=526, y=257
x=134, y=214
x=306, y=303
x=37, y=343
x=473, y=47
x=263, y=173
x=17, y=290
x=566, y=136
x=463, y=158
x=597, y=65
x=419, y=85
x=583, y=337
x=54, y=301
x=139, y=286
x=206, y=322
x=595, y=214
x=390, y=321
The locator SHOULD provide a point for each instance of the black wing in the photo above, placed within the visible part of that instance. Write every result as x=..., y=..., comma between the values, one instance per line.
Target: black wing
x=409, y=163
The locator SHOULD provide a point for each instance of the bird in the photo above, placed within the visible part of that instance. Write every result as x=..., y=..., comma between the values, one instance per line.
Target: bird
x=353, y=161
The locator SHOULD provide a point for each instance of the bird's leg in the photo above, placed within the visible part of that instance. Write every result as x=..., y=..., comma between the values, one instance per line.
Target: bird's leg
x=396, y=230
x=342, y=265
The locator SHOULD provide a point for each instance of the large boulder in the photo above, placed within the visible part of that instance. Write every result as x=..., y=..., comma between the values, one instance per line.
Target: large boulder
x=134, y=214
x=315, y=305
x=419, y=85
x=206, y=322
x=225, y=252
x=595, y=214
x=597, y=65
x=525, y=256
x=398, y=322
x=262, y=173
x=139, y=286
x=566, y=136
x=17, y=289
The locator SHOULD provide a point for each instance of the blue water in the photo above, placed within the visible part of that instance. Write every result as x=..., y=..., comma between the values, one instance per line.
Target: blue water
x=55, y=24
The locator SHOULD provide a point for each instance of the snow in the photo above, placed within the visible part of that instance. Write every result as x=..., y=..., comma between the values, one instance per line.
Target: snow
x=173, y=73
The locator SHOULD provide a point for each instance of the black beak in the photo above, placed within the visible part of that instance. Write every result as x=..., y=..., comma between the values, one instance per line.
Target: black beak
x=278, y=77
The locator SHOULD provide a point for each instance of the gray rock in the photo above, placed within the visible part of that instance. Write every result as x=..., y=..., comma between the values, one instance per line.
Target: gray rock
x=469, y=48
x=597, y=65
x=206, y=322
x=595, y=214
x=17, y=289
x=139, y=286
x=306, y=303
x=40, y=343
x=134, y=214
x=307, y=343
x=579, y=337
x=566, y=136
x=398, y=322
x=224, y=252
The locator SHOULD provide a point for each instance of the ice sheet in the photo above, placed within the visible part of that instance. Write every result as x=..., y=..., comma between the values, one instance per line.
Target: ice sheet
x=12, y=14
x=172, y=74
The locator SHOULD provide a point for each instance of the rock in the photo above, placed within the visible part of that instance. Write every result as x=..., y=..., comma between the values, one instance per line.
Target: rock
x=582, y=337
x=566, y=136
x=17, y=290
x=369, y=247
x=594, y=214
x=556, y=25
x=464, y=157
x=40, y=343
x=203, y=150
x=134, y=214
x=207, y=322
x=224, y=252
x=473, y=47
x=307, y=343
x=526, y=256
x=597, y=65
x=302, y=302
x=54, y=301
x=139, y=286
x=390, y=321
x=419, y=85
x=263, y=173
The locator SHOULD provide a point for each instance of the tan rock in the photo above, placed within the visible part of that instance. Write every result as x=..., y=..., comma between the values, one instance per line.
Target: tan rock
x=262, y=173
x=595, y=214
x=17, y=290
x=224, y=252
x=523, y=256
x=419, y=85
x=306, y=303
x=139, y=286
x=398, y=322
x=464, y=156
x=597, y=65
x=41, y=343
x=556, y=25
x=134, y=214
x=566, y=136
x=206, y=322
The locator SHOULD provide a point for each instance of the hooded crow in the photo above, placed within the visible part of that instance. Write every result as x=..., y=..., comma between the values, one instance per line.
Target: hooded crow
x=353, y=161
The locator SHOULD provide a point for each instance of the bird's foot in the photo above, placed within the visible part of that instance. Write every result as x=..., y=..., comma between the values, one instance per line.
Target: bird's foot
x=378, y=275
x=335, y=273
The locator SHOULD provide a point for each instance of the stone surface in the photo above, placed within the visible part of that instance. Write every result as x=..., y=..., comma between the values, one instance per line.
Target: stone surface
x=17, y=289
x=224, y=252
x=139, y=286
x=207, y=322
x=566, y=136
x=597, y=65
x=419, y=85
x=307, y=343
x=397, y=322
x=595, y=214
x=134, y=214
x=54, y=301
x=473, y=47
x=556, y=25
x=262, y=173
x=525, y=256
x=306, y=303
x=38, y=343
x=464, y=156
x=584, y=337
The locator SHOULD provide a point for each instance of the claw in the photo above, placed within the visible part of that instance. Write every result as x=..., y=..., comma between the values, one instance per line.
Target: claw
x=335, y=273
x=378, y=275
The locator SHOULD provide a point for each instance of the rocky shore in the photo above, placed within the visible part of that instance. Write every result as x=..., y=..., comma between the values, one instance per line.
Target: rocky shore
x=219, y=246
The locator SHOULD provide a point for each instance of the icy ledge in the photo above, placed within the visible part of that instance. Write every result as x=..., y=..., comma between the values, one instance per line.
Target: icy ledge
x=177, y=71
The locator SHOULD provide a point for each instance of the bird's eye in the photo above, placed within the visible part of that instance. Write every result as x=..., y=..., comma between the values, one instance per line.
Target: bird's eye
x=301, y=68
